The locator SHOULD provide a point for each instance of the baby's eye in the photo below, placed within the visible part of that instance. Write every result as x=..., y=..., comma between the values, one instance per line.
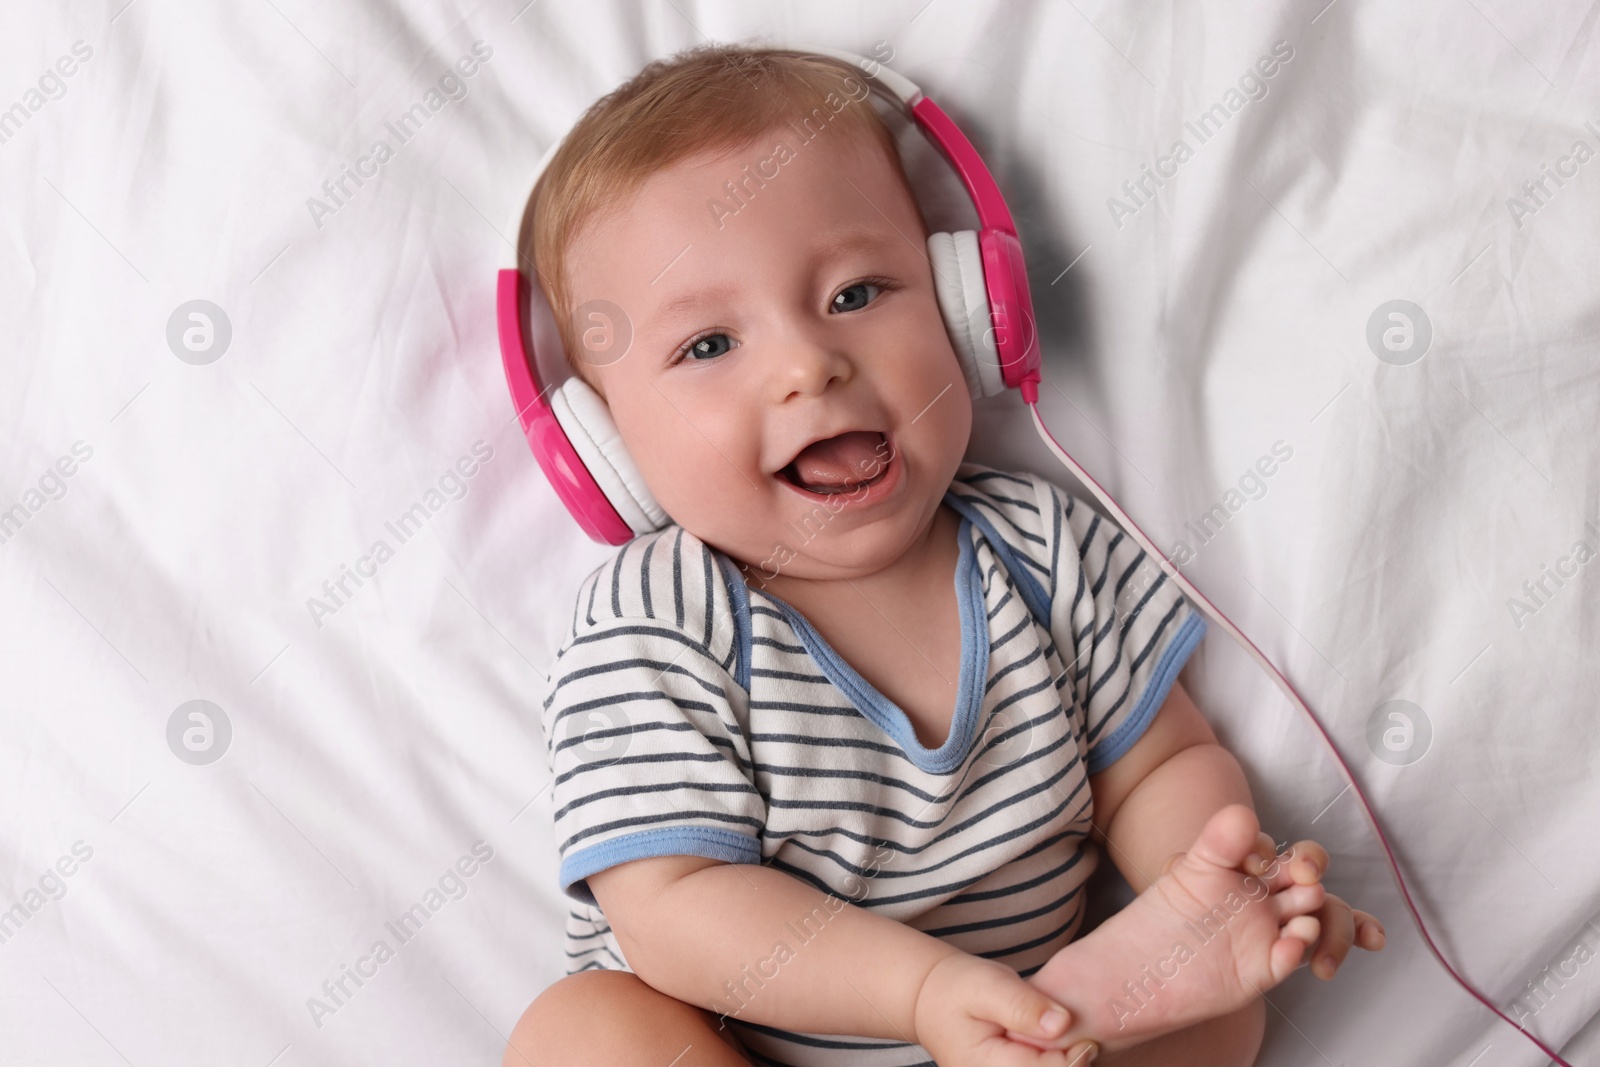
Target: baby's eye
x=854, y=297
x=709, y=346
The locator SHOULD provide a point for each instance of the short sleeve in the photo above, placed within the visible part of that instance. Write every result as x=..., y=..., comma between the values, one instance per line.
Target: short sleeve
x=1123, y=627
x=649, y=753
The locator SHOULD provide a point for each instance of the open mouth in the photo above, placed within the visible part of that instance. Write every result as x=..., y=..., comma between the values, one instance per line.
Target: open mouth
x=845, y=463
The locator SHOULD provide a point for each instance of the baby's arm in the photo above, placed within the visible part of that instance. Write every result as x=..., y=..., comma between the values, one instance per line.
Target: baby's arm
x=690, y=926
x=1219, y=918
x=1151, y=803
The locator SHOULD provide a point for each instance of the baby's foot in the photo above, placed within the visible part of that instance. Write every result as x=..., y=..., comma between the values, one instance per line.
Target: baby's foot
x=1203, y=940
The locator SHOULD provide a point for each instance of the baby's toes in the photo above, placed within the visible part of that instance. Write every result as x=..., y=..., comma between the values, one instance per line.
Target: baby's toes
x=1290, y=947
x=1274, y=873
x=1228, y=837
x=1302, y=928
x=1262, y=856
x=1298, y=900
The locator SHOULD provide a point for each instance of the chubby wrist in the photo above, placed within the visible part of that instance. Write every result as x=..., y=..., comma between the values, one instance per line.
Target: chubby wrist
x=929, y=986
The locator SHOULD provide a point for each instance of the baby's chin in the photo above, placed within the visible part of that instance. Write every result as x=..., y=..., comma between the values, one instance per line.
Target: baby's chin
x=780, y=552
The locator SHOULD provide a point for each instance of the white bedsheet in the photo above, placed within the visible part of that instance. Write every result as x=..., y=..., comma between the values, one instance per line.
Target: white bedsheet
x=376, y=739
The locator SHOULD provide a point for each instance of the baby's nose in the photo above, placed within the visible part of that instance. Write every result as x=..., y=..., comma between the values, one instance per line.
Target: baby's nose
x=806, y=365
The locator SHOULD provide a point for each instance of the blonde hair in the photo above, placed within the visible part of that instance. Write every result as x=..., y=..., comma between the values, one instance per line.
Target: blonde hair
x=705, y=99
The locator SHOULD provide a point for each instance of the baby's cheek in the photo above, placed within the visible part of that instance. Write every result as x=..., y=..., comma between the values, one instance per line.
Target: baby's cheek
x=718, y=503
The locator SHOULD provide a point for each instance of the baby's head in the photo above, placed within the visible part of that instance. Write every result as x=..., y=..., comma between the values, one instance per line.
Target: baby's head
x=746, y=212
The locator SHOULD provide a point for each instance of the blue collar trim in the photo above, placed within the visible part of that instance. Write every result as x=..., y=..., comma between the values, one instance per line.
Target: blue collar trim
x=887, y=715
x=1033, y=594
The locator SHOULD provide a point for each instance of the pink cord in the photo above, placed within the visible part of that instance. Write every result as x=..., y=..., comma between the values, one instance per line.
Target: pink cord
x=1030, y=396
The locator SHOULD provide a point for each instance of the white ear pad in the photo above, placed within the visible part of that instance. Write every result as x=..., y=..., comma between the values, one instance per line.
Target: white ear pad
x=964, y=303
x=587, y=421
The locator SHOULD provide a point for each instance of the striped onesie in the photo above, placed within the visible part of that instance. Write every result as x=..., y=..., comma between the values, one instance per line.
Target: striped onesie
x=689, y=713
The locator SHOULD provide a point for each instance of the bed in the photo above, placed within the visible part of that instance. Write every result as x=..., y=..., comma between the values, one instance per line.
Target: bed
x=281, y=578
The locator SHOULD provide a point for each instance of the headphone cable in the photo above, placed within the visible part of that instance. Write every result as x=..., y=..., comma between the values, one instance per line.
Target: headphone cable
x=1030, y=397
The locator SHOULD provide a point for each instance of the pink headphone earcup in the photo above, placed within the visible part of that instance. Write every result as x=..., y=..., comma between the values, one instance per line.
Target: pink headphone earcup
x=587, y=421
x=963, y=296
x=1016, y=334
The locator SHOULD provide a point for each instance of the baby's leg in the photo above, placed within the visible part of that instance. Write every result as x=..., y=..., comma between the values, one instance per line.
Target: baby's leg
x=1226, y=1041
x=612, y=1019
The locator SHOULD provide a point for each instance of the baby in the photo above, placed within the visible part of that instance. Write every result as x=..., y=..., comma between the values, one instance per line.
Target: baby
x=834, y=752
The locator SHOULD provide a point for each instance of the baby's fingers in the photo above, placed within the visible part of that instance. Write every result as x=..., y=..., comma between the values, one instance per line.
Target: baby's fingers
x=1369, y=932
x=1338, y=933
x=1006, y=1052
x=1302, y=863
x=1307, y=862
x=1018, y=1007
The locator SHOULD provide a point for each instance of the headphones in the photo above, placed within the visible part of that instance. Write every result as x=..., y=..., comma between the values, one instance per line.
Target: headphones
x=979, y=279
x=981, y=286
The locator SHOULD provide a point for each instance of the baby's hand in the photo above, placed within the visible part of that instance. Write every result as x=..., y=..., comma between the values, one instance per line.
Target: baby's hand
x=967, y=1004
x=1342, y=925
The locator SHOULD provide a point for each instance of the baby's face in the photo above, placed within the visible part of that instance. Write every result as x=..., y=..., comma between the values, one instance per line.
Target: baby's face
x=806, y=314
